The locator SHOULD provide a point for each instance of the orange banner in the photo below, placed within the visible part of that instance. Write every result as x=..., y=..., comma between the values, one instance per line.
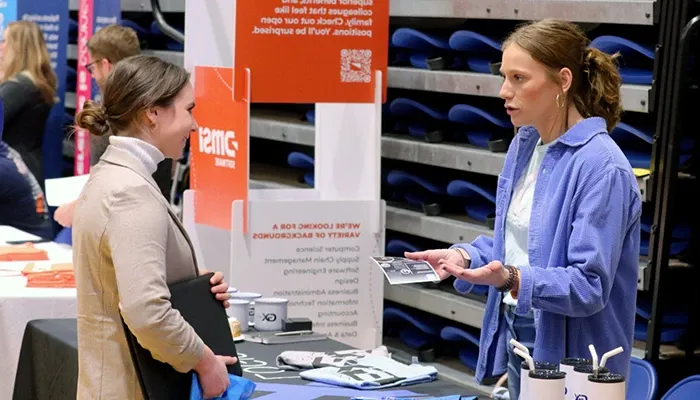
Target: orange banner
x=219, y=164
x=311, y=51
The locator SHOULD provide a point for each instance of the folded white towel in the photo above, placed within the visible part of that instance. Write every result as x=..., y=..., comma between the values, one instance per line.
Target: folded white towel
x=299, y=360
x=372, y=372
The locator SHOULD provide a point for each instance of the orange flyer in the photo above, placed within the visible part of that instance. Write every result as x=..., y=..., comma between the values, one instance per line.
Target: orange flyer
x=219, y=164
x=311, y=51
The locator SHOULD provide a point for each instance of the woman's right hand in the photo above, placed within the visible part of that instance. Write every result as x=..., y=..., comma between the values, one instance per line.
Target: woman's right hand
x=64, y=214
x=433, y=258
x=212, y=373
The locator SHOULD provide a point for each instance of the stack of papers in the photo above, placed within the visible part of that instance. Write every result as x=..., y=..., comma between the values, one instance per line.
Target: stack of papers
x=401, y=271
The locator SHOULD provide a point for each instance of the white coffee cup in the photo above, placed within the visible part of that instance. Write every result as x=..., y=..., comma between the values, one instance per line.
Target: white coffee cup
x=577, y=382
x=606, y=386
x=545, y=385
x=239, y=309
x=251, y=297
x=567, y=365
x=524, y=378
x=269, y=313
x=231, y=289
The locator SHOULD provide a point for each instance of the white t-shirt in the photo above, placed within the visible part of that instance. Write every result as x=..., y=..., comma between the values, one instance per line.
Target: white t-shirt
x=518, y=216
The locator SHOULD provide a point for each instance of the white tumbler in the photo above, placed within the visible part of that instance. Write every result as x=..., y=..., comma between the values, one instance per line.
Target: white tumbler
x=605, y=386
x=251, y=297
x=567, y=365
x=269, y=313
x=546, y=385
x=238, y=309
x=524, y=378
x=578, y=380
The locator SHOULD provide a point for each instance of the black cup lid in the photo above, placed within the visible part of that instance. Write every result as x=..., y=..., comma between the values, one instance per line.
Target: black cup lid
x=588, y=369
x=606, y=378
x=539, y=365
x=574, y=361
x=547, y=374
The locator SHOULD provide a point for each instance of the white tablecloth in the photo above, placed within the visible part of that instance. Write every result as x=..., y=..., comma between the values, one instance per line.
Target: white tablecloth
x=10, y=234
x=19, y=305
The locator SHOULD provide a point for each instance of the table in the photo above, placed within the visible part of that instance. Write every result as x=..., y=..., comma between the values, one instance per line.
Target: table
x=48, y=369
x=12, y=234
x=19, y=305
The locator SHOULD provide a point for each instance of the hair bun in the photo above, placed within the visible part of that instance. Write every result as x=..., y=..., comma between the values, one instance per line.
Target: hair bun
x=93, y=117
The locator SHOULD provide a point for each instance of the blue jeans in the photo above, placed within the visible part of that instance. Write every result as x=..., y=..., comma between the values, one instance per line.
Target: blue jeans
x=521, y=329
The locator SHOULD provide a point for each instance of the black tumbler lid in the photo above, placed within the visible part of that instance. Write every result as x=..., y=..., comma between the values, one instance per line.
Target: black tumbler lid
x=588, y=369
x=574, y=361
x=539, y=365
x=606, y=378
x=547, y=374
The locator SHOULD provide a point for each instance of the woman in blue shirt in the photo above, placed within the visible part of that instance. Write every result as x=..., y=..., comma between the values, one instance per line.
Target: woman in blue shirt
x=563, y=262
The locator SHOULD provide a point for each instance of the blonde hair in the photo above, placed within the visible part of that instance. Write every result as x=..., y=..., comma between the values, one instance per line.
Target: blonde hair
x=134, y=85
x=26, y=53
x=114, y=43
x=595, y=90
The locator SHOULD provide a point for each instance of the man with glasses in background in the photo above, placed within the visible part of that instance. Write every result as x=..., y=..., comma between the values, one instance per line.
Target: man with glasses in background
x=107, y=47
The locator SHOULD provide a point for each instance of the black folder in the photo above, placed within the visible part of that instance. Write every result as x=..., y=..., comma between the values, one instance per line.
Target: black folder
x=207, y=316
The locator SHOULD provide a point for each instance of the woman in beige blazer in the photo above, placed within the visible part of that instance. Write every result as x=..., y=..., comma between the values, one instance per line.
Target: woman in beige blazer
x=128, y=245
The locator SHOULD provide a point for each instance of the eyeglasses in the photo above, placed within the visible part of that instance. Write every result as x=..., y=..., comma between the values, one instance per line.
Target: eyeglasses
x=90, y=67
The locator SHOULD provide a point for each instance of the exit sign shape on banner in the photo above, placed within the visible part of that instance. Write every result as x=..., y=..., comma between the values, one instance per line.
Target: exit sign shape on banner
x=308, y=51
x=219, y=164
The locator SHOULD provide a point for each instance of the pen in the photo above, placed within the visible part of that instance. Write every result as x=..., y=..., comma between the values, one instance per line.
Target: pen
x=293, y=333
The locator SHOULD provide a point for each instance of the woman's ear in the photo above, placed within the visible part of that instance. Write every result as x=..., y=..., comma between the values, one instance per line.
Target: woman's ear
x=566, y=79
x=152, y=116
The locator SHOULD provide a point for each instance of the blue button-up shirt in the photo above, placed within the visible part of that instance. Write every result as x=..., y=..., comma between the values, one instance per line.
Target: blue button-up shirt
x=583, y=247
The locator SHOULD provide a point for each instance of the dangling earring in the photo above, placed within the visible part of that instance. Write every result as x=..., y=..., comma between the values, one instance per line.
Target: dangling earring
x=557, y=101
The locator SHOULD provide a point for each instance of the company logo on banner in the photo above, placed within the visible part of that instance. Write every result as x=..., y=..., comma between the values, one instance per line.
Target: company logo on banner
x=219, y=165
x=92, y=16
x=314, y=51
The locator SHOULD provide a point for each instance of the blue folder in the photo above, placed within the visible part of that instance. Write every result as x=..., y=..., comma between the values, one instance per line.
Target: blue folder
x=418, y=119
x=481, y=50
x=636, y=144
x=416, y=191
x=397, y=247
x=636, y=65
x=170, y=44
x=304, y=162
x=416, y=330
x=480, y=127
x=469, y=342
x=421, y=48
x=480, y=202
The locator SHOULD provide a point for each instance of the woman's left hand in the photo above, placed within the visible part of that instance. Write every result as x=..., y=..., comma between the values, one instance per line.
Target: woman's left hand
x=219, y=287
x=492, y=274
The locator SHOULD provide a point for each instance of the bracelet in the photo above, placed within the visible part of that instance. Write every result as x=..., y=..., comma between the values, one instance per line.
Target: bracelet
x=510, y=282
x=467, y=261
x=514, y=291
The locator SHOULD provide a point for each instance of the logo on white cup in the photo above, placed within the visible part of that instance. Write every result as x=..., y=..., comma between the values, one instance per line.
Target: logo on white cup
x=269, y=317
x=269, y=313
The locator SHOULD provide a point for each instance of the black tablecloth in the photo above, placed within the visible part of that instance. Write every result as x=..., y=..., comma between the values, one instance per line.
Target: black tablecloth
x=48, y=369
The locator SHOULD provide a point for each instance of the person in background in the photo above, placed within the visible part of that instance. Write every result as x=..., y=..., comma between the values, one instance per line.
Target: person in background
x=107, y=47
x=563, y=262
x=128, y=244
x=21, y=199
x=37, y=191
x=28, y=90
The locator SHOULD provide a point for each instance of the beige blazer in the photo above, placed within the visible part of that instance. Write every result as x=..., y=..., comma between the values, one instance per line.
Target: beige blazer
x=127, y=246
